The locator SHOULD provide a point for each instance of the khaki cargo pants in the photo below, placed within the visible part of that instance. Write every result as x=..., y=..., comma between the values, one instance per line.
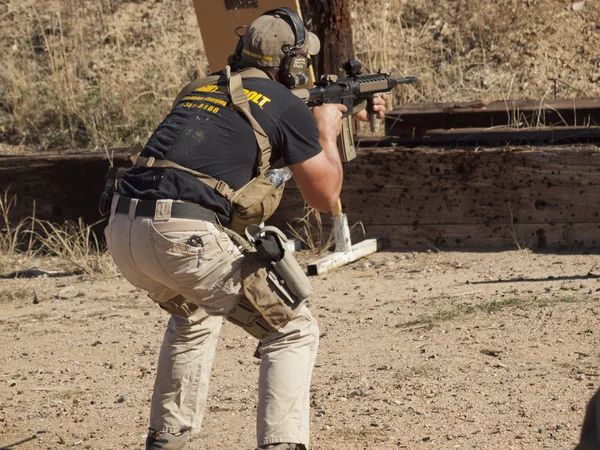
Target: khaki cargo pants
x=154, y=254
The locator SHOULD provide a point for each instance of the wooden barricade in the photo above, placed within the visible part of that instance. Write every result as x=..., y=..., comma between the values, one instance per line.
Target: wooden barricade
x=516, y=122
x=419, y=192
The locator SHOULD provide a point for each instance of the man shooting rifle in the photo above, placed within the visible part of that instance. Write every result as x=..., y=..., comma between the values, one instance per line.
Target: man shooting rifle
x=176, y=220
x=358, y=93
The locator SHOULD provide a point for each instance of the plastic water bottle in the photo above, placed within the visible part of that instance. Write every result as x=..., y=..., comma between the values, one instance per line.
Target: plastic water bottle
x=279, y=176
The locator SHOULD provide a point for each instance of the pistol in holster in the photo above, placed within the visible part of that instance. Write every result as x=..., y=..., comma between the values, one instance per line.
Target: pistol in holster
x=274, y=285
x=110, y=186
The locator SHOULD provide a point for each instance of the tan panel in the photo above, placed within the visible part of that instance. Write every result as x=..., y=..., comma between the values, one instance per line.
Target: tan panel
x=218, y=20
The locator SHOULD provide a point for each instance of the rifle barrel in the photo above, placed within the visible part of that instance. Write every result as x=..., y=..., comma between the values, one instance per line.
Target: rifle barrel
x=406, y=80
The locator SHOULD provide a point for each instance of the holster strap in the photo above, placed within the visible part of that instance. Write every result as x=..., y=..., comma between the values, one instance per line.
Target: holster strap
x=244, y=315
x=220, y=186
x=240, y=100
x=178, y=306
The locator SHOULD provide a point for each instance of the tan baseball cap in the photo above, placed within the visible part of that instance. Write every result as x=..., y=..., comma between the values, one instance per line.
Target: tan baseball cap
x=265, y=37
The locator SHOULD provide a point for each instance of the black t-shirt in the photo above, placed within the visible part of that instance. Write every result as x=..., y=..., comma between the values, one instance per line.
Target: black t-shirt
x=205, y=133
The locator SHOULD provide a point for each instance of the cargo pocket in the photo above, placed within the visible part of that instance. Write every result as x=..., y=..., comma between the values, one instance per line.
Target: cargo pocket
x=185, y=242
x=194, y=262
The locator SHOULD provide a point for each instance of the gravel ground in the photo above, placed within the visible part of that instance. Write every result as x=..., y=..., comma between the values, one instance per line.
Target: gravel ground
x=418, y=351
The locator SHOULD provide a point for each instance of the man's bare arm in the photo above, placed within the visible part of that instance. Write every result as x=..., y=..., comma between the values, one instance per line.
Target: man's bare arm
x=320, y=177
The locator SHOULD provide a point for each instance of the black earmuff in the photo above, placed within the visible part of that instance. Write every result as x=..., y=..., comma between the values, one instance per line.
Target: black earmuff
x=293, y=69
x=236, y=58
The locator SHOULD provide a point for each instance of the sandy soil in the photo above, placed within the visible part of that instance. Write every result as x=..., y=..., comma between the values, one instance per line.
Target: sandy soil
x=418, y=351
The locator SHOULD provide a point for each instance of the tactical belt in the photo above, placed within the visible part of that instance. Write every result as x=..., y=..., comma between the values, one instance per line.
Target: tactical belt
x=146, y=208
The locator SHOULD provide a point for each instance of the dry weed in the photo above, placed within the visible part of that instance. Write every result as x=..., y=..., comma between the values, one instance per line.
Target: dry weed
x=13, y=238
x=74, y=243
x=9, y=295
x=87, y=74
x=478, y=50
x=309, y=230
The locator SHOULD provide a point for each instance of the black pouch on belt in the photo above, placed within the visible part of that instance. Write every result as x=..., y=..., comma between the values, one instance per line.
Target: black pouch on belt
x=110, y=185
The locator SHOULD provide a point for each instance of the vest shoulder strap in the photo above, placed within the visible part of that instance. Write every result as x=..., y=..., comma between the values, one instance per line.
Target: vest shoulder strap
x=194, y=84
x=240, y=100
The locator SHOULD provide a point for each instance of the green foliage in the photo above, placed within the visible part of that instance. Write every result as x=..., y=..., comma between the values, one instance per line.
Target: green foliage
x=490, y=307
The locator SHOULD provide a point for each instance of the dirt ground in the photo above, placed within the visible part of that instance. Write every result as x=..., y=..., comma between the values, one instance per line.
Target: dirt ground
x=418, y=351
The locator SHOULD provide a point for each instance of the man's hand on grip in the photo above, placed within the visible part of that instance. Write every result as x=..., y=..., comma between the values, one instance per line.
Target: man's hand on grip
x=329, y=120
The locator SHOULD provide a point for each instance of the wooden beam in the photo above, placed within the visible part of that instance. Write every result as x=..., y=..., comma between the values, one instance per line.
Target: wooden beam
x=339, y=259
x=416, y=119
x=546, y=198
x=420, y=198
x=63, y=186
x=466, y=205
x=573, y=237
x=497, y=136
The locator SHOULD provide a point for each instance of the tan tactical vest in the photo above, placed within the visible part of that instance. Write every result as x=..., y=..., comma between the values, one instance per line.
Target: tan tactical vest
x=256, y=201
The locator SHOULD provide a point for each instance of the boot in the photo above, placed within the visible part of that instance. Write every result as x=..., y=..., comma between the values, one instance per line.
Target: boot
x=157, y=440
x=590, y=430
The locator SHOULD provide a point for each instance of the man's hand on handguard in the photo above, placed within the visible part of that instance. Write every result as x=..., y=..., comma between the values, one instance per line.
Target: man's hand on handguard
x=379, y=105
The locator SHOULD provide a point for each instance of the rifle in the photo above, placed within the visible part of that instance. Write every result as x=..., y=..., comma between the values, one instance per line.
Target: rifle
x=355, y=92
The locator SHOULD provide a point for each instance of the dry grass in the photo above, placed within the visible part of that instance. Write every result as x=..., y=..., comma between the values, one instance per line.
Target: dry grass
x=95, y=74
x=481, y=51
x=15, y=239
x=310, y=232
x=17, y=294
x=76, y=244
x=72, y=244
x=78, y=73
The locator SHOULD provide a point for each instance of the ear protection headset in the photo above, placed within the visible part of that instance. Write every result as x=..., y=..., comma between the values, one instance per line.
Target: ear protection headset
x=236, y=58
x=293, y=68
